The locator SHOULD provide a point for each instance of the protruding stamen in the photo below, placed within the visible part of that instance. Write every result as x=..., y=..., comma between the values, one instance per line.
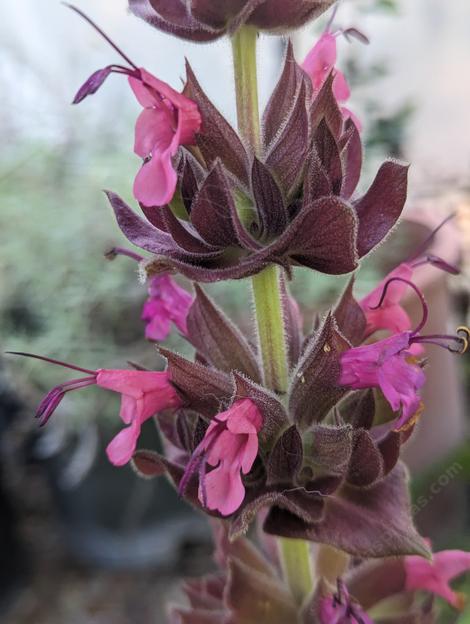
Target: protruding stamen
x=429, y=239
x=447, y=341
x=112, y=253
x=417, y=291
x=52, y=361
x=332, y=17
x=102, y=33
x=437, y=262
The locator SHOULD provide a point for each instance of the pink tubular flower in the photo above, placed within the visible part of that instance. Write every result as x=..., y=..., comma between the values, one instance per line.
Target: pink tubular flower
x=320, y=61
x=389, y=365
x=340, y=609
x=167, y=303
x=435, y=576
x=231, y=446
x=143, y=395
x=169, y=119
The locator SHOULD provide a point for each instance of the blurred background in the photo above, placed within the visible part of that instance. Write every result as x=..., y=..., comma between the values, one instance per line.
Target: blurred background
x=83, y=542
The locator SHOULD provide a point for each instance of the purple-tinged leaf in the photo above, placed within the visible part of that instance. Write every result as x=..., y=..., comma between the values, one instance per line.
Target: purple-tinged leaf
x=212, y=210
x=217, y=139
x=269, y=201
x=275, y=418
x=91, y=86
x=314, y=390
x=389, y=447
x=245, y=267
x=171, y=17
x=206, y=390
x=329, y=449
x=351, y=155
x=307, y=507
x=138, y=231
x=374, y=581
x=283, y=98
x=358, y=409
x=285, y=459
x=288, y=153
x=192, y=175
x=283, y=15
x=316, y=181
x=323, y=237
x=349, y=316
x=366, y=466
x=325, y=106
x=328, y=151
x=218, y=340
x=380, y=208
x=370, y=523
x=185, y=235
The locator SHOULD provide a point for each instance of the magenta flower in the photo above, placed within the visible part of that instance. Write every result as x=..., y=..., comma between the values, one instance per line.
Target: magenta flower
x=390, y=315
x=389, y=365
x=169, y=119
x=435, y=576
x=168, y=303
x=320, y=62
x=143, y=395
x=341, y=609
x=231, y=446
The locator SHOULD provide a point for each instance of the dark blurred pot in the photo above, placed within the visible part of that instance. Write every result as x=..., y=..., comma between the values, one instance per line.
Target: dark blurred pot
x=110, y=516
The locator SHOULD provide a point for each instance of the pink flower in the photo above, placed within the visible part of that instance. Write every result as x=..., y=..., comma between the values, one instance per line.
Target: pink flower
x=143, y=395
x=389, y=365
x=320, y=61
x=169, y=119
x=390, y=315
x=340, y=609
x=230, y=445
x=168, y=303
x=435, y=576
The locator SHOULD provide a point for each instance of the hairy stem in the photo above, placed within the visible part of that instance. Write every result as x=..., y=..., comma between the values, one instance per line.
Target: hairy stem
x=296, y=566
x=271, y=330
x=246, y=84
x=295, y=554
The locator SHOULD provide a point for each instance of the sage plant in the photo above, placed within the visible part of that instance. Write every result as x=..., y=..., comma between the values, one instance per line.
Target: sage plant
x=288, y=431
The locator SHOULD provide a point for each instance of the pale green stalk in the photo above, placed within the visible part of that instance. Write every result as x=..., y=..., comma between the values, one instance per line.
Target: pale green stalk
x=295, y=554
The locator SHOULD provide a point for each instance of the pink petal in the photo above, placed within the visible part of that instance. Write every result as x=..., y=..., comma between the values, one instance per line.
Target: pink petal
x=155, y=183
x=393, y=317
x=153, y=132
x=224, y=489
x=320, y=60
x=341, y=88
x=121, y=448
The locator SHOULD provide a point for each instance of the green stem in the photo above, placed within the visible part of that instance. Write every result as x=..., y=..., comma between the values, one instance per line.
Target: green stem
x=271, y=330
x=296, y=566
x=295, y=554
x=246, y=84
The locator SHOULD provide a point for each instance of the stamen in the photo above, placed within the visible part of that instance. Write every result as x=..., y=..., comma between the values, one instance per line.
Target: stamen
x=438, y=262
x=332, y=18
x=122, y=251
x=52, y=361
x=417, y=291
x=446, y=341
x=429, y=239
x=102, y=33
